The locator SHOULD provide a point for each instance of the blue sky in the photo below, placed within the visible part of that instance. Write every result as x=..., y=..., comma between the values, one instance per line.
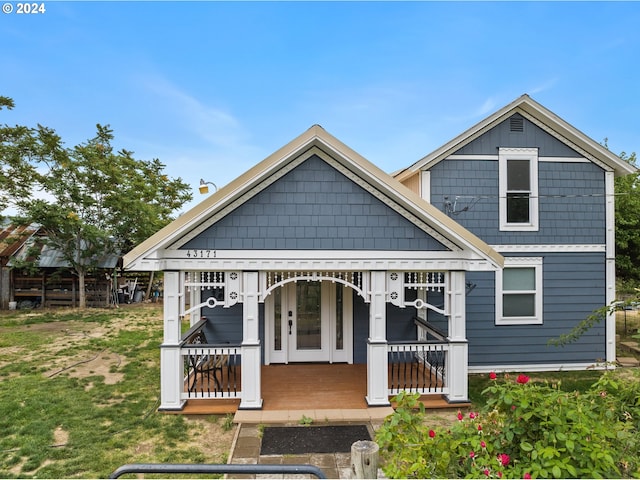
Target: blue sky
x=211, y=88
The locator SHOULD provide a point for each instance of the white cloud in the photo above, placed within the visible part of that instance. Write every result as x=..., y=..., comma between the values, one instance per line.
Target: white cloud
x=543, y=87
x=212, y=125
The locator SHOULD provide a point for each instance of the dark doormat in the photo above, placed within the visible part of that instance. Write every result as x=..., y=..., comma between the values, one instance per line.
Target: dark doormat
x=297, y=440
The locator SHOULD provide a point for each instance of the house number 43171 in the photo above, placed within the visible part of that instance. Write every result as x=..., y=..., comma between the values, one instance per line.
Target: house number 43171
x=201, y=253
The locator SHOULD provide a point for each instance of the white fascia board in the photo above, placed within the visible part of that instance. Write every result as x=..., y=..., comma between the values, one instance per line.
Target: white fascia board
x=549, y=248
x=313, y=260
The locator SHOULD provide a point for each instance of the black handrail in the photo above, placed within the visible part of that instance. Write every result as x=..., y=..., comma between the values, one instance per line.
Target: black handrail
x=204, y=468
x=194, y=329
x=440, y=335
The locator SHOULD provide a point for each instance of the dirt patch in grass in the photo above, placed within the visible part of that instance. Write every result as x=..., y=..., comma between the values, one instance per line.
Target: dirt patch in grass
x=98, y=346
x=208, y=436
x=60, y=436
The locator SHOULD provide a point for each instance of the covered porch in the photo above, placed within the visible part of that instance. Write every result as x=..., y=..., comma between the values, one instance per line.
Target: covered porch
x=213, y=375
x=313, y=255
x=324, y=391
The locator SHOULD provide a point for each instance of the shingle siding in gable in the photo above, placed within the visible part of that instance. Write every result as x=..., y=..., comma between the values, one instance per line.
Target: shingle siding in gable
x=531, y=136
x=314, y=207
x=573, y=289
x=571, y=204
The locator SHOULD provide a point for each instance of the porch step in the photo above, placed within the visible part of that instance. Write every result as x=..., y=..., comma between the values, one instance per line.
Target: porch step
x=209, y=407
x=439, y=402
x=373, y=414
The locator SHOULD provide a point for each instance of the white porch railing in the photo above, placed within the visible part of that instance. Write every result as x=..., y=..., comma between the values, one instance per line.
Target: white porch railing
x=418, y=367
x=211, y=371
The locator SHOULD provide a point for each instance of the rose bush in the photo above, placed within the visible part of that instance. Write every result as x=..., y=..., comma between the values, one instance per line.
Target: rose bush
x=526, y=430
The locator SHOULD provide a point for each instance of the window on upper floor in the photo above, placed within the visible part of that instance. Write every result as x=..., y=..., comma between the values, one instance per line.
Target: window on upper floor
x=518, y=171
x=519, y=292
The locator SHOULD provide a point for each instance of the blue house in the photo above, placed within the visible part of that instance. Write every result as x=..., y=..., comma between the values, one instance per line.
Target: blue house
x=469, y=260
x=541, y=194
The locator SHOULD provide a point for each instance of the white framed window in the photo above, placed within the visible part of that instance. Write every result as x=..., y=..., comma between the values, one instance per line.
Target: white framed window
x=518, y=182
x=519, y=291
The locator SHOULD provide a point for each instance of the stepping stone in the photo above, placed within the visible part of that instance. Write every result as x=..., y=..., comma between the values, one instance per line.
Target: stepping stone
x=630, y=346
x=628, y=362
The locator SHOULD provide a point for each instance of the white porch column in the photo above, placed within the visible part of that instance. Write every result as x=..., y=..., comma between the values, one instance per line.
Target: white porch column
x=458, y=359
x=610, y=270
x=377, y=358
x=251, y=388
x=171, y=363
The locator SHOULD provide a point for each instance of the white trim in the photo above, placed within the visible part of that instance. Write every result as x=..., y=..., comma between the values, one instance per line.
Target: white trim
x=540, y=159
x=549, y=248
x=564, y=159
x=520, y=262
x=346, y=353
x=610, y=271
x=328, y=352
x=425, y=185
x=610, y=214
x=319, y=260
x=533, y=367
x=530, y=154
x=473, y=157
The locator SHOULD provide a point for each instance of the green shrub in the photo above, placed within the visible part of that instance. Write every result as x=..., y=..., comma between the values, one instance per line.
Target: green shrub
x=525, y=430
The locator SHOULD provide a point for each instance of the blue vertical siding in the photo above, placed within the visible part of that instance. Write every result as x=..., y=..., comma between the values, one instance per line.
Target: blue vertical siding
x=573, y=287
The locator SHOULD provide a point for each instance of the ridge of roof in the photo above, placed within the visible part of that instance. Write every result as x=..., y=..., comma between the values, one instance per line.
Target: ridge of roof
x=314, y=136
x=531, y=110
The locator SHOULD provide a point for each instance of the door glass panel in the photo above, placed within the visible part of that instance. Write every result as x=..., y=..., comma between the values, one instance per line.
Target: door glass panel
x=277, y=320
x=308, y=325
x=339, y=317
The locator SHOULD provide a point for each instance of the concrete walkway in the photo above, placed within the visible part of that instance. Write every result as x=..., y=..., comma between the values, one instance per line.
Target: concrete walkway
x=247, y=442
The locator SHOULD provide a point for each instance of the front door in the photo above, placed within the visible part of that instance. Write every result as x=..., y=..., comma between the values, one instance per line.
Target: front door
x=309, y=321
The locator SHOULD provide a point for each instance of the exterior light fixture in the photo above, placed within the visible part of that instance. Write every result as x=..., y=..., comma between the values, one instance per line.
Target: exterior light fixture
x=204, y=189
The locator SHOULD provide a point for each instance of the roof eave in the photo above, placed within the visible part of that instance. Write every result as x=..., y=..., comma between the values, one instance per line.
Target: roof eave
x=529, y=106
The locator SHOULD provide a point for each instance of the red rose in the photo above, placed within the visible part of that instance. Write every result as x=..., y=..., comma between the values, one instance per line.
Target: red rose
x=493, y=375
x=522, y=379
x=432, y=433
x=504, y=459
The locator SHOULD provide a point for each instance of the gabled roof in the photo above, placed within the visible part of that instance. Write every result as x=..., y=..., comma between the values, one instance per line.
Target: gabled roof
x=540, y=116
x=13, y=237
x=314, y=138
x=35, y=247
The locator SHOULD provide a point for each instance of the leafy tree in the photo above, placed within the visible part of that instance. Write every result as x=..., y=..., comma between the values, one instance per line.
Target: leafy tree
x=90, y=200
x=627, y=190
x=21, y=149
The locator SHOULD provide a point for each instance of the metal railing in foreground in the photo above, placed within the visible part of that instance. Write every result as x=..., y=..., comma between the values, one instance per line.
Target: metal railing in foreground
x=203, y=468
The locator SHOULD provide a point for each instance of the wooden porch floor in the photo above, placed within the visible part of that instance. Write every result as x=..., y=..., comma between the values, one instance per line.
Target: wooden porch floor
x=307, y=387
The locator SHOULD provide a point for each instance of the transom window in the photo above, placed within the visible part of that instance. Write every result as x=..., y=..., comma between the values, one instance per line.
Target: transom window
x=518, y=189
x=519, y=292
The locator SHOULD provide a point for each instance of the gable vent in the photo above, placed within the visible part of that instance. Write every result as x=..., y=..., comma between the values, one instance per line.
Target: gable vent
x=516, y=124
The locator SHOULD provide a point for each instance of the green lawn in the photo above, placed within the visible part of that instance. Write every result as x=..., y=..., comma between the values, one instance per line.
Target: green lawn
x=79, y=393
